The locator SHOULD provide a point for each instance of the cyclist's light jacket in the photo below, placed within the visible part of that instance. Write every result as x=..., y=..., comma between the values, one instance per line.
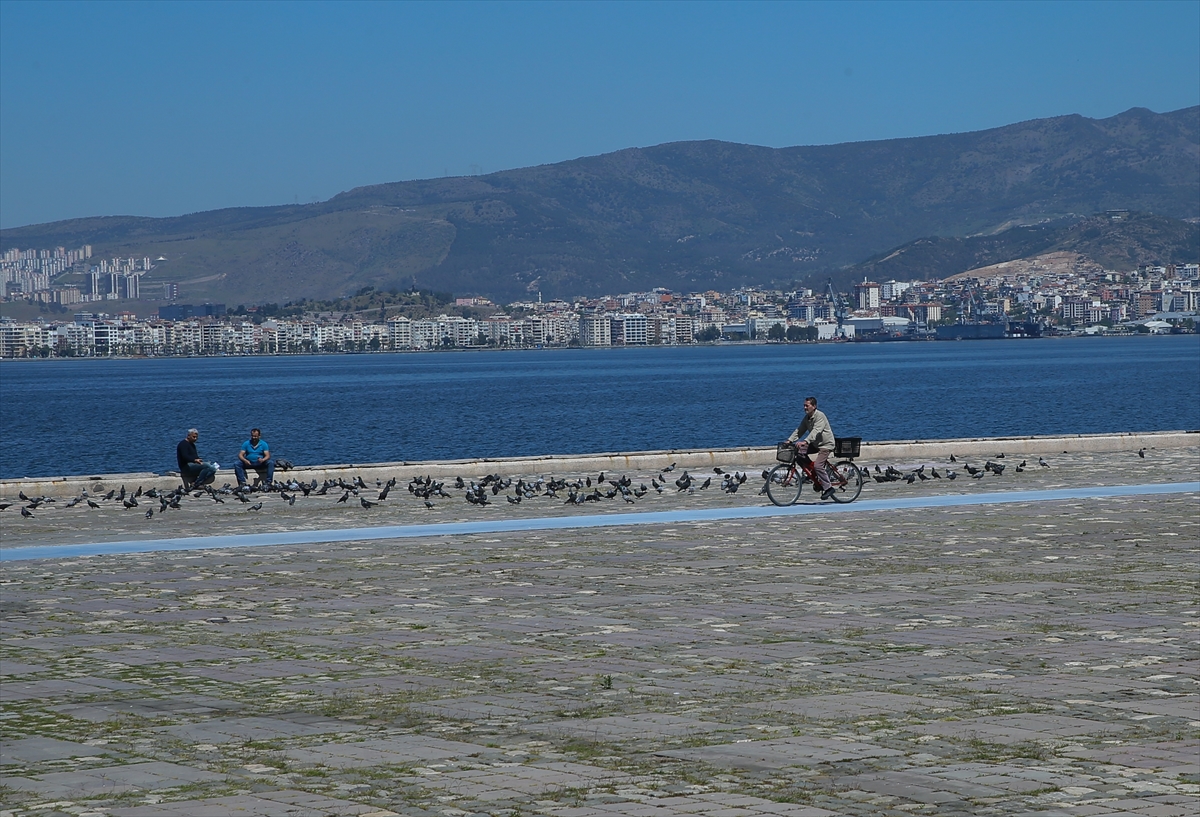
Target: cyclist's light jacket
x=818, y=431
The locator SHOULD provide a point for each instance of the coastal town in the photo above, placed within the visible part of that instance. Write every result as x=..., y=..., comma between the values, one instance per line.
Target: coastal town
x=1060, y=293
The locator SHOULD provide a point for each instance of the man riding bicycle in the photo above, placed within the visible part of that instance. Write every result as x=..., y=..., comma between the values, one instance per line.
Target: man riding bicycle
x=820, y=441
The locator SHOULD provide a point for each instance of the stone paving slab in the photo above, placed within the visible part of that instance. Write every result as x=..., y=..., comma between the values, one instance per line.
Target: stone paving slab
x=767, y=754
x=54, y=688
x=489, y=707
x=398, y=751
x=112, y=780
x=702, y=805
x=243, y=729
x=629, y=727
x=261, y=804
x=519, y=782
x=39, y=749
x=855, y=704
x=1019, y=728
x=99, y=711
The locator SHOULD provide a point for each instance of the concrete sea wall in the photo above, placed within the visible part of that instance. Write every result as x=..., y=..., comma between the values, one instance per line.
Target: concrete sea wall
x=733, y=458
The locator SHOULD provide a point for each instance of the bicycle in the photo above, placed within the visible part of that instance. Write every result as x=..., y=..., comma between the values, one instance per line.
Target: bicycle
x=786, y=481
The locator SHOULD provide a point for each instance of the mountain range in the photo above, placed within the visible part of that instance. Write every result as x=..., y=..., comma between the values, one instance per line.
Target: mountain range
x=694, y=216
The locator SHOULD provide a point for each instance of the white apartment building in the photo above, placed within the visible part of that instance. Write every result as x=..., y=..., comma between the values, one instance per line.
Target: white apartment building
x=595, y=330
x=629, y=329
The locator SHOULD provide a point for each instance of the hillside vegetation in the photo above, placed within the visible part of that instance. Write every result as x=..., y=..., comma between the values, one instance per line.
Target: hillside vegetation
x=1118, y=243
x=687, y=215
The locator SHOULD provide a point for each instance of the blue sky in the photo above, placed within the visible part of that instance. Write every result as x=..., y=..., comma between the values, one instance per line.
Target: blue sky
x=166, y=108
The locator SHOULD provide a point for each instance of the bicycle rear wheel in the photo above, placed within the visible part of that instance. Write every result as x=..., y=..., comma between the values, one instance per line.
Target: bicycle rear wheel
x=847, y=482
x=783, y=485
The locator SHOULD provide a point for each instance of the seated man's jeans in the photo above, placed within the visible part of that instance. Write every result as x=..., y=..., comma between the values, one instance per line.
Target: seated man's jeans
x=198, y=474
x=239, y=468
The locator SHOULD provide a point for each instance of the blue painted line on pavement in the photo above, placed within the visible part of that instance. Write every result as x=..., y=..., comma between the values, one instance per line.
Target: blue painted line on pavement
x=312, y=537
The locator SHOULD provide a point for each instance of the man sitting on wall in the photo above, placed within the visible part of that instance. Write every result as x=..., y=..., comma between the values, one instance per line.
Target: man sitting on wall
x=192, y=469
x=255, y=454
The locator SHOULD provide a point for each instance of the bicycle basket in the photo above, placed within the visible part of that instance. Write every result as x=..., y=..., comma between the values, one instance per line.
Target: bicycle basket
x=785, y=452
x=847, y=447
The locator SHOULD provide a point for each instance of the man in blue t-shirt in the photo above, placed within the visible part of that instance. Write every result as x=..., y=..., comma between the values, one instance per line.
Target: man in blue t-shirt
x=255, y=454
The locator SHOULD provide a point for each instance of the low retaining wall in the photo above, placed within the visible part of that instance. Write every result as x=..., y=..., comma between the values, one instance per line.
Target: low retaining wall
x=733, y=458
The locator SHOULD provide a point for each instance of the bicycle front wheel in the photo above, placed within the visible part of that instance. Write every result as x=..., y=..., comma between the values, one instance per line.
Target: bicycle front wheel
x=784, y=484
x=847, y=481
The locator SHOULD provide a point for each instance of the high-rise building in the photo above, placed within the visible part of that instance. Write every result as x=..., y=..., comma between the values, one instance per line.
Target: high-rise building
x=867, y=294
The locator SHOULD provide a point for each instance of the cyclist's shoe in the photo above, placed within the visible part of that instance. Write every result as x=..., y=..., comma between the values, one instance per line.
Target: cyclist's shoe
x=827, y=493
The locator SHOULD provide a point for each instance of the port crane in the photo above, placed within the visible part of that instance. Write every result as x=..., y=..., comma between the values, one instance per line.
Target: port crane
x=841, y=309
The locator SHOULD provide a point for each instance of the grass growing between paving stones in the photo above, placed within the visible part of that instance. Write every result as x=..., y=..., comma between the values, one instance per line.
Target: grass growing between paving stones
x=987, y=752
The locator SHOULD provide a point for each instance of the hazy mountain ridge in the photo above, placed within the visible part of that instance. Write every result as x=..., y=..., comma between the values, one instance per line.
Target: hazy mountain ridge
x=684, y=215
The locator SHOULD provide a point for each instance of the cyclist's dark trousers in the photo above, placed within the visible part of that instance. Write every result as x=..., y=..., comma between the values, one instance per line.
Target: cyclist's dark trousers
x=819, y=459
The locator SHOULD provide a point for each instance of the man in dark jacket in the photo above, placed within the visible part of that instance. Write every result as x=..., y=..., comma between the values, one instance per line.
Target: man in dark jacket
x=192, y=469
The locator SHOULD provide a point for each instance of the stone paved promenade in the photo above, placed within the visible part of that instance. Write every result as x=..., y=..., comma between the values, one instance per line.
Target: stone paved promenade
x=1017, y=659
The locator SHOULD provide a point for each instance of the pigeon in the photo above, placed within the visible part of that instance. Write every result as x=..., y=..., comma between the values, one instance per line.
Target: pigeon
x=952, y=459
x=971, y=469
x=933, y=472
x=363, y=501
x=255, y=507
x=951, y=475
x=92, y=504
x=718, y=471
x=669, y=468
x=707, y=482
x=25, y=513
x=21, y=496
x=129, y=503
x=149, y=513
x=1142, y=453
x=345, y=496
x=5, y=506
x=1043, y=463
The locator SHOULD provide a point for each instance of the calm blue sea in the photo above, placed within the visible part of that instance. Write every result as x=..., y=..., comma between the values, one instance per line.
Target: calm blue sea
x=95, y=416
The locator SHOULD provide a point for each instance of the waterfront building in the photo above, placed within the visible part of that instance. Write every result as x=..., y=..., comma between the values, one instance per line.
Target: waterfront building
x=595, y=330
x=867, y=294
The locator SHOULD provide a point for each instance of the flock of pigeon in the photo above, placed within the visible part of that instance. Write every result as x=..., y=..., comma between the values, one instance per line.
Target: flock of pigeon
x=482, y=492
x=891, y=474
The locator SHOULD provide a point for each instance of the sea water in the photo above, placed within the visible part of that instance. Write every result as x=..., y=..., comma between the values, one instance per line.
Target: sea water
x=73, y=416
